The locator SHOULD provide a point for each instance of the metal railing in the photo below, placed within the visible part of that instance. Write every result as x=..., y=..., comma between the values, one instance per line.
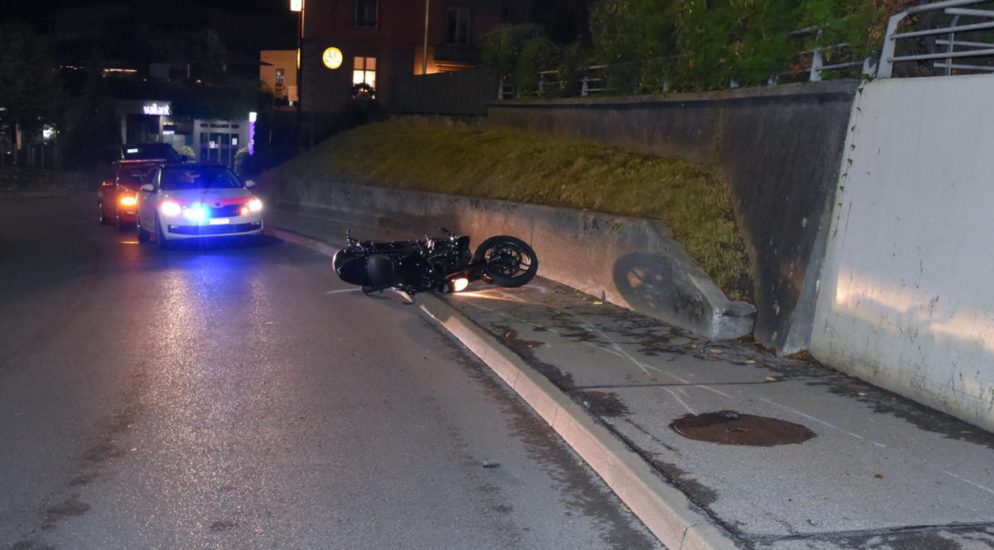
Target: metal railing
x=593, y=81
x=818, y=59
x=974, y=47
x=959, y=37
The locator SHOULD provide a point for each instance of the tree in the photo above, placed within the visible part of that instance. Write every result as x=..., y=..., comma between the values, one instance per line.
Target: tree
x=706, y=44
x=503, y=44
x=745, y=41
x=636, y=39
x=30, y=91
x=91, y=124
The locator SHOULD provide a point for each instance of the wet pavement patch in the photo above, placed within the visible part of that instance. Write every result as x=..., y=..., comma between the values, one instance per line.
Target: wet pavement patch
x=71, y=506
x=882, y=401
x=524, y=348
x=222, y=525
x=698, y=493
x=83, y=479
x=602, y=403
x=733, y=428
x=31, y=545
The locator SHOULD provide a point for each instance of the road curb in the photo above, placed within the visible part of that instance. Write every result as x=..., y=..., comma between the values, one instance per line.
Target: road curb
x=667, y=512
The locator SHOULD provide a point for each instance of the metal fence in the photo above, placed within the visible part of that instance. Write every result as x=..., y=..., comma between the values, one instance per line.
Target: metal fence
x=828, y=59
x=940, y=38
x=593, y=81
x=943, y=36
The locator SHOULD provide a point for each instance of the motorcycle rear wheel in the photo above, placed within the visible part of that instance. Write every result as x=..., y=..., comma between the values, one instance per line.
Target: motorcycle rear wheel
x=510, y=262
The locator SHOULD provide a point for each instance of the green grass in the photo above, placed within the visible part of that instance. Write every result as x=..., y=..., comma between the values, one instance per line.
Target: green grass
x=501, y=163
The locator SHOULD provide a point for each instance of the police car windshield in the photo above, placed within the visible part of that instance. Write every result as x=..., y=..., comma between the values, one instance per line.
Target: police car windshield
x=201, y=177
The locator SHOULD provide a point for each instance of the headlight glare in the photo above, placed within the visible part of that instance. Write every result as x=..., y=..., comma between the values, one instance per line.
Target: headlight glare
x=195, y=213
x=255, y=205
x=170, y=208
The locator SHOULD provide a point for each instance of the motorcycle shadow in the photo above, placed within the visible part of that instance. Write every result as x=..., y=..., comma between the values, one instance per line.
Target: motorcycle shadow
x=654, y=285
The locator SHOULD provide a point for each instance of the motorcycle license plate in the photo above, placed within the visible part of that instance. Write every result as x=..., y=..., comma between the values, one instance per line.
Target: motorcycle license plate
x=220, y=221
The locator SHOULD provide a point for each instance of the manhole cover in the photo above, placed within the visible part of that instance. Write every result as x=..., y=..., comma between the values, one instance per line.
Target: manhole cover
x=732, y=428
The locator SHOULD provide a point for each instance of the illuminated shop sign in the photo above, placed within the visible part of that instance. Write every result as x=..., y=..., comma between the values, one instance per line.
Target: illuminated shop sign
x=251, y=137
x=156, y=109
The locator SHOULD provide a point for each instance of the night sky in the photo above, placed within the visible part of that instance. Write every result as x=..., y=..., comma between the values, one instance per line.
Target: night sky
x=37, y=10
x=182, y=15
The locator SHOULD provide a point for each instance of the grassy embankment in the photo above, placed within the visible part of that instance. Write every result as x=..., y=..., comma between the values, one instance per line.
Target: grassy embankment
x=500, y=163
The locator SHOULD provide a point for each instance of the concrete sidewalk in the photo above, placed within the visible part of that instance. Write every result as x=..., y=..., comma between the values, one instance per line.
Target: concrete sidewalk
x=852, y=466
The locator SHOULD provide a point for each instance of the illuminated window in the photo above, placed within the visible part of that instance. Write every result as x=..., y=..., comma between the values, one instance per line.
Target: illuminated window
x=364, y=71
x=457, y=25
x=367, y=13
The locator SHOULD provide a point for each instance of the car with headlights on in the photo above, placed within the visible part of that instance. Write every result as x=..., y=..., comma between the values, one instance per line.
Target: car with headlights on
x=194, y=201
x=117, y=197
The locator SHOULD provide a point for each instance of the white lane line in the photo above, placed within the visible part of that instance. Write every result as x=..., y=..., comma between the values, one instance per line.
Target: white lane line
x=689, y=384
x=680, y=401
x=330, y=292
x=644, y=366
x=818, y=420
x=964, y=480
x=615, y=349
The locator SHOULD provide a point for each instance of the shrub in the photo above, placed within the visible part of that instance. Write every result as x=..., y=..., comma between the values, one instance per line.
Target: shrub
x=243, y=162
x=537, y=54
x=631, y=36
x=503, y=44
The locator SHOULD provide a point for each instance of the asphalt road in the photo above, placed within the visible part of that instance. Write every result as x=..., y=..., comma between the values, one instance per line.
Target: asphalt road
x=240, y=396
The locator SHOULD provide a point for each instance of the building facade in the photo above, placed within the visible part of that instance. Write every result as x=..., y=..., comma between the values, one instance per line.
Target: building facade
x=278, y=75
x=212, y=141
x=379, y=42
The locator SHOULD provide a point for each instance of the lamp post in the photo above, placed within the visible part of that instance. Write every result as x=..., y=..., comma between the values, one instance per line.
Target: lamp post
x=424, y=51
x=298, y=7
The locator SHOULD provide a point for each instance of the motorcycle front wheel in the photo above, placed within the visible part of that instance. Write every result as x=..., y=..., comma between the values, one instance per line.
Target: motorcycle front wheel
x=509, y=261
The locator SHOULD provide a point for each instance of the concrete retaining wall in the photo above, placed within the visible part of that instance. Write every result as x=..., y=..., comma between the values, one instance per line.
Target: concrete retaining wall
x=458, y=94
x=630, y=262
x=906, y=297
x=779, y=149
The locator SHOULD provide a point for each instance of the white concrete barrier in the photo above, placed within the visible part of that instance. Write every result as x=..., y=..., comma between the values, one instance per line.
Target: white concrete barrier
x=631, y=262
x=906, y=298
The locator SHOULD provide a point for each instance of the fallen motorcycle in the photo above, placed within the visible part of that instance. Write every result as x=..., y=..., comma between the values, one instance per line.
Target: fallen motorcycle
x=443, y=264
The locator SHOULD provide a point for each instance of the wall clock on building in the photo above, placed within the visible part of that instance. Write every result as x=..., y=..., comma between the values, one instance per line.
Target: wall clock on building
x=332, y=58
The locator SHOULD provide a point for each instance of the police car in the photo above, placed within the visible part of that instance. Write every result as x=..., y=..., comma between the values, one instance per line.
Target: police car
x=193, y=201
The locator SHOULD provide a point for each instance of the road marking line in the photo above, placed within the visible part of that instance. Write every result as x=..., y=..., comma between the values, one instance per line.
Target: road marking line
x=818, y=420
x=675, y=396
x=964, y=480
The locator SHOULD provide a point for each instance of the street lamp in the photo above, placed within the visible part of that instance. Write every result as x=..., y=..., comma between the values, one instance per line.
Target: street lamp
x=424, y=52
x=298, y=7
